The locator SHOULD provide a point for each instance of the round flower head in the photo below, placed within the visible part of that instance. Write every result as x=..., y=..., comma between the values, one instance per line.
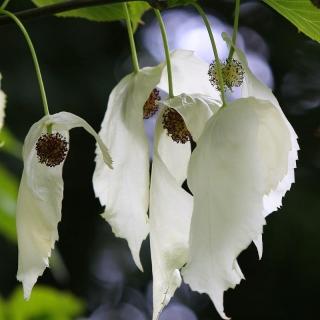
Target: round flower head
x=232, y=74
x=175, y=125
x=51, y=149
x=150, y=107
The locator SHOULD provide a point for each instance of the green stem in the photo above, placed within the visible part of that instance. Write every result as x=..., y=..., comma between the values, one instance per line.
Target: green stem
x=131, y=39
x=215, y=52
x=4, y=4
x=166, y=50
x=34, y=57
x=235, y=29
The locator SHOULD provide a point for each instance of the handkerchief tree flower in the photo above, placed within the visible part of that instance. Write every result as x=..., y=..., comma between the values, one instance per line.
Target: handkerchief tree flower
x=124, y=191
x=241, y=168
x=40, y=193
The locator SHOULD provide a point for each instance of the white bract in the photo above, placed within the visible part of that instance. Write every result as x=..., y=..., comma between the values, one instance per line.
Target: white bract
x=238, y=173
x=39, y=199
x=2, y=105
x=124, y=191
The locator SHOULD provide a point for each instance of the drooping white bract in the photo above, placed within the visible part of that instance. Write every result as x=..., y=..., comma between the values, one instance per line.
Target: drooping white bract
x=171, y=206
x=124, y=191
x=39, y=199
x=231, y=168
x=2, y=105
x=284, y=168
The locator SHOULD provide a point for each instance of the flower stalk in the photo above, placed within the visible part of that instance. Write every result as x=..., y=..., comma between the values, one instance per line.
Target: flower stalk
x=235, y=29
x=131, y=39
x=166, y=50
x=215, y=52
x=34, y=57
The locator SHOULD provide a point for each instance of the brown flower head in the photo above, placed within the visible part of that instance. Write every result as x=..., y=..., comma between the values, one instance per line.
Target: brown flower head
x=150, y=107
x=51, y=149
x=175, y=125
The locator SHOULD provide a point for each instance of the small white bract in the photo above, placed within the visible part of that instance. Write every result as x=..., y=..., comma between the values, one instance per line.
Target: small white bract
x=40, y=196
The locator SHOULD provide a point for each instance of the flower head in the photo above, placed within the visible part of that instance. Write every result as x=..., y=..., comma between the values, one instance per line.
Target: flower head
x=41, y=191
x=232, y=74
x=150, y=107
x=51, y=149
x=175, y=126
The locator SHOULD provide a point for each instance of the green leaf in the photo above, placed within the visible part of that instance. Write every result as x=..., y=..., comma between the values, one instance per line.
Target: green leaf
x=45, y=304
x=302, y=13
x=10, y=144
x=111, y=12
x=8, y=197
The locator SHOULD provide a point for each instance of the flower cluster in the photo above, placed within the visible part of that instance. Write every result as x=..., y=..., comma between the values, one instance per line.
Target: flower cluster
x=242, y=166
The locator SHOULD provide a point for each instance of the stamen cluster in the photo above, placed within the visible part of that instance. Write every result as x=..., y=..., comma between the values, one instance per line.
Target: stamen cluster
x=232, y=74
x=51, y=149
x=150, y=107
x=175, y=125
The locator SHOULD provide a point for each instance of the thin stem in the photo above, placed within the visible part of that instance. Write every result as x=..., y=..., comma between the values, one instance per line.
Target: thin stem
x=215, y=52
x=5, y=3
x=131, y=39
x=235, y=28
x=166, y=50
x=34, y=57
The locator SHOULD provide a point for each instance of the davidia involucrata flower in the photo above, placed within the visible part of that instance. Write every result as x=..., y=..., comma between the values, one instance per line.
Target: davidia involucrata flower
x=241, y=168
x=124, y=191
x=41, y=192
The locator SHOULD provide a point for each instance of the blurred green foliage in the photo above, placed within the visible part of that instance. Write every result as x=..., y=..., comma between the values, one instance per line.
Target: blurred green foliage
x=111, y=12
x=45, y=304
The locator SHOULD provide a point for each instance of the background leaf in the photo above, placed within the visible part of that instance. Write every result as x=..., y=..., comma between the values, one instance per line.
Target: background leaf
x=10, y=144
x=43, y=305
x=302, y=13
x=8, y=196
x=111, y=12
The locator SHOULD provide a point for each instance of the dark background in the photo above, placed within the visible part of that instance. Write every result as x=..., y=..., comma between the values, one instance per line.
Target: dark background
x=81, y=62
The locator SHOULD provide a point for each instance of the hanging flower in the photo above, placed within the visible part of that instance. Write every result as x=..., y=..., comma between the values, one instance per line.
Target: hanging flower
x=41, y=192
x=170, y=205
x=124, y=191
x=241, y=168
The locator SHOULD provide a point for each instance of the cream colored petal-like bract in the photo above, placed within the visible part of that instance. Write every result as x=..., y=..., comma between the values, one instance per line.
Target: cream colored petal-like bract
x=124, y=191
x=281, y=183
x=2, y=106
x=226, y=178
x=39, y=200
x=195, y=109
x=170, y=213
x=189, y=74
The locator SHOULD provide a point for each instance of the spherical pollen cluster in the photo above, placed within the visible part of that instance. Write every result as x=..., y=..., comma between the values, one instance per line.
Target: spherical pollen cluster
x=150, y=107
x=232, y=74
x=175, y=125
x=51, y=149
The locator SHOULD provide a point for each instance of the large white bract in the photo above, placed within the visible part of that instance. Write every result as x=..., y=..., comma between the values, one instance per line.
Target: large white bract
x=125, y=192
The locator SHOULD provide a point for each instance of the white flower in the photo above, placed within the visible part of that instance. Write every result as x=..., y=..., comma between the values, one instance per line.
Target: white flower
x=2, y=106
x=41, y=193
x=171, y=206
x=124, y=191
x=238, y=173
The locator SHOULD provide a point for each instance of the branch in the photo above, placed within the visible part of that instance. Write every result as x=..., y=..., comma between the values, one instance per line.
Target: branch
x=52, y=9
